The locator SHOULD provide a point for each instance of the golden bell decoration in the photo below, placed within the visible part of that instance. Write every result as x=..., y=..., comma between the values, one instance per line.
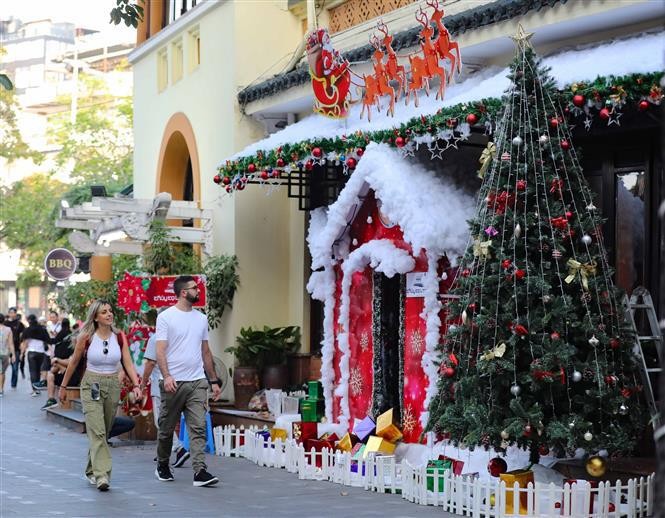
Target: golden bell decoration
x=596, y=466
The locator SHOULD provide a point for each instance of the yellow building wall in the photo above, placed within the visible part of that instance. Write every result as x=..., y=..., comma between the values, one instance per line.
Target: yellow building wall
x=240, y=41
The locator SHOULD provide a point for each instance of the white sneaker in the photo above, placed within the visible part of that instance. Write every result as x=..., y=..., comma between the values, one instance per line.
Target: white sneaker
x=34, y=393
x=91, y=479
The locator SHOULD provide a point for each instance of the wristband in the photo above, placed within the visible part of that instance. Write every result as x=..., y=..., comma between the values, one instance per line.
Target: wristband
x=217, y=382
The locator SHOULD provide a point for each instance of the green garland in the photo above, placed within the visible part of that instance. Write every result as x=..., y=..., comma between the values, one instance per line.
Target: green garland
x=627, y=90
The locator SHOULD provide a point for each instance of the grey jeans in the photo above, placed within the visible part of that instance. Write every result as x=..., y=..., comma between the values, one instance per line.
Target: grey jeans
x=191, y=397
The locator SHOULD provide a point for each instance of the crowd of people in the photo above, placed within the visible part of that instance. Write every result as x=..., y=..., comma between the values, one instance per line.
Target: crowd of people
x=95, y=356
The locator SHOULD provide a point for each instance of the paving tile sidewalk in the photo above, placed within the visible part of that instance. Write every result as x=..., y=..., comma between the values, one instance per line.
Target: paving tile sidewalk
x=41, y=475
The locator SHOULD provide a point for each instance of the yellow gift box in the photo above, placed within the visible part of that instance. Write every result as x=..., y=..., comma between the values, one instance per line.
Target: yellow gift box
x=378, y=444
x=346, y=443
x=522, y=477
x=278, y=433
x=386, y=427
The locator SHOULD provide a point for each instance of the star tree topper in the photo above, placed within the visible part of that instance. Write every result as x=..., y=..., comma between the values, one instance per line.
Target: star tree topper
x=521, y=37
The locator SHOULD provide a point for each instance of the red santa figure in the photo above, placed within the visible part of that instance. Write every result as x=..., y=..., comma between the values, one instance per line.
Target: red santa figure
x=330, y=75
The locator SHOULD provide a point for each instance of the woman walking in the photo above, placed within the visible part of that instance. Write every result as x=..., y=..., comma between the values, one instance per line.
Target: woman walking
x=6, y=351
x=34, y=341
x=102, y=349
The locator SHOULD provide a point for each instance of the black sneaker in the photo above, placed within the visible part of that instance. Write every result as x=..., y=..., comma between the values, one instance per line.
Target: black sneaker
x=37, y=385
x=203, y=478
x=49, y=403
x=163, y=473
x=181, y=455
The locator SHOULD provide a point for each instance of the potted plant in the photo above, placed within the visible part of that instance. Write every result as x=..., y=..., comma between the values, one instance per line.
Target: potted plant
x=278, y=343
x=246, y=373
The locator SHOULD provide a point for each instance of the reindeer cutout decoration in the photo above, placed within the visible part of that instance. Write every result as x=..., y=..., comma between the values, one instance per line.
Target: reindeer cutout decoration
x=426, y=67
x=377, y=85
x=444, y=46
x=394, y=70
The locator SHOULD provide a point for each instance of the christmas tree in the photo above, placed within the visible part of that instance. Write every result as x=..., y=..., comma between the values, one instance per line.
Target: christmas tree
x=537, y=353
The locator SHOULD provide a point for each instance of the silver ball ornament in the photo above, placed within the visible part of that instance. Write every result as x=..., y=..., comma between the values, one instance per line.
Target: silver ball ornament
x=586, y=239
x=588, y=436
x=577, y=376
x=547, y=299
x=515, y=390
x=593, y=341
x=623, y=409
x=505, y=434
x=544, y=139
x=517, y=141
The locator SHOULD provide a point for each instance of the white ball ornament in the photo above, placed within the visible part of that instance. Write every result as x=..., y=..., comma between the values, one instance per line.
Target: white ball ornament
x=623, y=409
x=593, y=341
x=518, y=230
x=577, y=376
x=515, y=390
x=586, y=239
x=588, y=436
x=505, y=434
x=517, y=141
x=544, y=139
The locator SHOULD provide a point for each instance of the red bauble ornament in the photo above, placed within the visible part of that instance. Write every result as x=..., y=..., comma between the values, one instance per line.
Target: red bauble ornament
x=555, y=336
x=527, y=430
x=275, y=173
x=316, y=152
x=448, y=372
x=520, y=185
x=264, y=175
x=472, y=118
x=309, y=165
x=569, y=215
x=554, y=122
x=251, y=168
x=578, y=100
x=351, y=162
x=360, y=151
x=229, y=189
x=626, y=392
x=466, y=272
x=497, y=466
x=520, y=330
x=557, y=505
x=217, y=179
x=400, y=141
x=226, y=180
x=611, y=379
x=240, y=186
x=565, y=145
x=611, y=507
x=280, y=162
x=543, y=450
x=615, y=343
x=604, y=114
x=643, y=105
x=520, y=274
x=506, y=263
x=452, y=123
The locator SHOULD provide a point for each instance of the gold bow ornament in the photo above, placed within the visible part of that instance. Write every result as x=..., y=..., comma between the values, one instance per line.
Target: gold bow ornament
x=486, y=159
x=576, y=268
x=496, y=352
x=481, y=248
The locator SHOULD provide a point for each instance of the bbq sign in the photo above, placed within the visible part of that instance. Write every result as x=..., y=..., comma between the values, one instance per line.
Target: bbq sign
x=60, y=264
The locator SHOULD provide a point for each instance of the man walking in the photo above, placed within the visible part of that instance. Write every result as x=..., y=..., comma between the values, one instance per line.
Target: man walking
x=14, y=323
x=182, y=354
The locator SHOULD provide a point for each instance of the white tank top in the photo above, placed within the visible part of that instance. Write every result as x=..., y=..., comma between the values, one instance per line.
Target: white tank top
x=101, y=363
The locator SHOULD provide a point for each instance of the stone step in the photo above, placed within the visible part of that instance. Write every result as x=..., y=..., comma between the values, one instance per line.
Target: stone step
x=77, y=405
x=69, y=418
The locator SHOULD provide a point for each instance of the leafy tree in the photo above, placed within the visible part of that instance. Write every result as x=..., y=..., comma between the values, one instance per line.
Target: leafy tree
x=12, y=145
x=26, y=218
x=131, y=13
x=538, y=354
x=97, y=147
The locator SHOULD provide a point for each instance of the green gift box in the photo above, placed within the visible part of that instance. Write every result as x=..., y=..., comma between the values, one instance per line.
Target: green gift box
x=312, y=410
x=314, y=390
x=438, y=467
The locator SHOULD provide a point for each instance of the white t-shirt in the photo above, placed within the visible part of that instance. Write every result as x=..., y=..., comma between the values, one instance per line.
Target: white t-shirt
x=183, y=331
x=156, y=375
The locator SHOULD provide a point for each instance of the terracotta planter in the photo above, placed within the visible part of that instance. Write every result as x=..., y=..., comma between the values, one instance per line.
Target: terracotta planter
x=275, y=376
x=245, y=385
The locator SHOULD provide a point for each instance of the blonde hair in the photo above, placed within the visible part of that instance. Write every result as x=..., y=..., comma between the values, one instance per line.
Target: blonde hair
x=90, y=326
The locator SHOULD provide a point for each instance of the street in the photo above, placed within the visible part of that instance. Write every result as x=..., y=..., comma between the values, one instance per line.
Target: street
x=41, y=475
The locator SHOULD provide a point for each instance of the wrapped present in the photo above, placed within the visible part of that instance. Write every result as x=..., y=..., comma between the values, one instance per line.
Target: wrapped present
x=312, y=410
x=522, y=477
x=458, y=465
x=386, y=427
x=347, y=442
x=314, y=390
x=317, y=445
x=437, y=467
x=378, y=445
x=364, y=428
x=358, y=451
x=577, y=495
x=329, y=436
x=279, y=433
x=354, y=469
x=303, y=430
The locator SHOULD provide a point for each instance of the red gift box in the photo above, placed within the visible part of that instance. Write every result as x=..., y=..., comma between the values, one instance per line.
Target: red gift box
x=457, y=464
x=317, y=445
x=303, y=430
x=593, y=484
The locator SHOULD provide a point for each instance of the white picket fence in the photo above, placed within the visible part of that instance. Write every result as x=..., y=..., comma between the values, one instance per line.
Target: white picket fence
x=462, y=495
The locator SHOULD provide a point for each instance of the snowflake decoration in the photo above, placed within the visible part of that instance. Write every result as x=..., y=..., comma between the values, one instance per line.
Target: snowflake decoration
x=417, y=342
x=356, y=383
x=408, y=420
x=364, y=342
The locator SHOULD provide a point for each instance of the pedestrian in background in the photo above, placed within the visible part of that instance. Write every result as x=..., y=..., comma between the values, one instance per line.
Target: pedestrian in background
x=34, y=343
x=102, y=348
x=14, y=323
x=182, y=355
x=6, y=351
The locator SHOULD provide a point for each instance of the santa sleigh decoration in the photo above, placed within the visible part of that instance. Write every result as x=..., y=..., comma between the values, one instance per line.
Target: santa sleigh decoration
x=332, y=76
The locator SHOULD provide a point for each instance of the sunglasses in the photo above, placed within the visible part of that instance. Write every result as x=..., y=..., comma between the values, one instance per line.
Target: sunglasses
x=106, y=347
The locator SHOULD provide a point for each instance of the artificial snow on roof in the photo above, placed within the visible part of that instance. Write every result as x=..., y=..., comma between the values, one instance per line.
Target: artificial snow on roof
x=411, y=196
x=639, y=54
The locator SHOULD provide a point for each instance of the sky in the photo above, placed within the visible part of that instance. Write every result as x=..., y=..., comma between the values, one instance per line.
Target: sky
x=92, y=14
